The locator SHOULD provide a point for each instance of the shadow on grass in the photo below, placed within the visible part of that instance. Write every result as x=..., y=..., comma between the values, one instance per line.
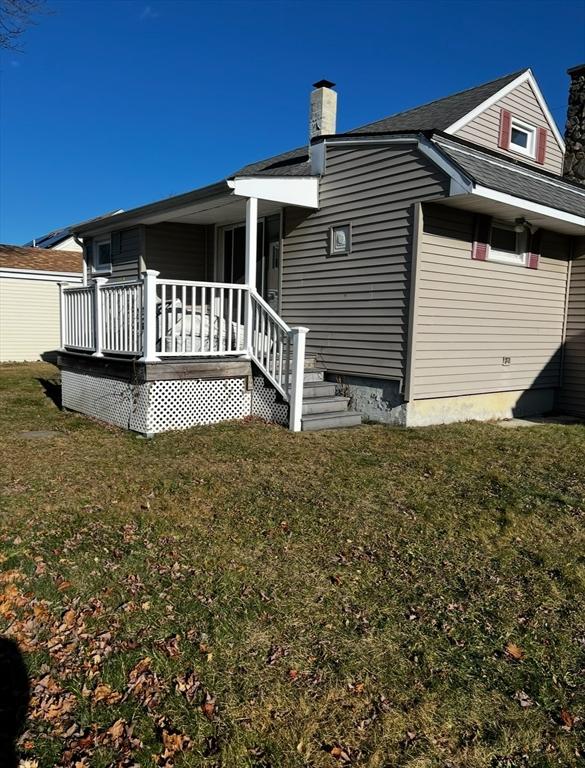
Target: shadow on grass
x=52, y=390
x=14, y=700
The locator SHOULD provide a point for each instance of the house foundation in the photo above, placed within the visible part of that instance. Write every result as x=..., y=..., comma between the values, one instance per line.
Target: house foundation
x=381, y=401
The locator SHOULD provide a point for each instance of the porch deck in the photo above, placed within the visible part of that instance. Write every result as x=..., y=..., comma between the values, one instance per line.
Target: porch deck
x=202, y=335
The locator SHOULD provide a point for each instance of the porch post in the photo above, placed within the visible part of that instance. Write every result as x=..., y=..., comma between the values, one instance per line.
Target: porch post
x=251, y=255
x=98, y=325
x=149, y=325
x=297, y=380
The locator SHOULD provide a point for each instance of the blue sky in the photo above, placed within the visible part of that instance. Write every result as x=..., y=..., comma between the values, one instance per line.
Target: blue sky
x=115, y=104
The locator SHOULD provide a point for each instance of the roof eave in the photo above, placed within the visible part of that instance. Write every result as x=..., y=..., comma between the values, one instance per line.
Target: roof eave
x=138, y=215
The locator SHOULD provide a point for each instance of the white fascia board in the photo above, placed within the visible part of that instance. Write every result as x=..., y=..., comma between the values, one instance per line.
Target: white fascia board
x=460, y=183
x=520, y=202
x=525, y=76
x=37, y=274
x=303, y=192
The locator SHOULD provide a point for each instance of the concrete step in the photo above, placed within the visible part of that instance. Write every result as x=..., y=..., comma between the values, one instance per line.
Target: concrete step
x=312, y=405
x=314, y=374
x=315, y=421
x=319, y=389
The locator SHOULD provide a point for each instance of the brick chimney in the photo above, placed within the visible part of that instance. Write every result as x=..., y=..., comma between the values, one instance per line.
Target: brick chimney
x=323, y=114
x=575, y=129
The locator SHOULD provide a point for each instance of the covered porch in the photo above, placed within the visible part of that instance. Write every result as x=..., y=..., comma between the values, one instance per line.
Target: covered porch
x=197, y=300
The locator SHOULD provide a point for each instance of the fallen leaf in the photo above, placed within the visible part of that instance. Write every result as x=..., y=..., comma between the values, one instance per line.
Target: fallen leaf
x=567, y=719
x=208, y=707
x=524, y=699
x=104, y=692
x=514, y=651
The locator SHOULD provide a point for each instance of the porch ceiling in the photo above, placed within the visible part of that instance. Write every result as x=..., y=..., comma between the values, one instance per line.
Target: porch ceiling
x=225, y=211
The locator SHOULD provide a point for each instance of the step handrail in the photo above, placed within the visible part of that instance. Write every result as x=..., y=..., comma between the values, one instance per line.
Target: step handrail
x=279, y=351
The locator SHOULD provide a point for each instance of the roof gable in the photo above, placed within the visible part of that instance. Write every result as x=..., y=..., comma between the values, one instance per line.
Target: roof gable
x=440, y=114
x=523, y=77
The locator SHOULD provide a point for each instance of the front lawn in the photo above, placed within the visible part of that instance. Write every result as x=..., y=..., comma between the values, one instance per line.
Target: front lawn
x=238, y=595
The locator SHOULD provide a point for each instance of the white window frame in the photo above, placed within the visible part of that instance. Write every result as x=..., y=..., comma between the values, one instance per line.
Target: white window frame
x=101, y=268
x=530, y=149
x=517, y=258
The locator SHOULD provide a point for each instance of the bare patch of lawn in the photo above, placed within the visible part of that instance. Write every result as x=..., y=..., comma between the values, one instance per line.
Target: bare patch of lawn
x=238, y=595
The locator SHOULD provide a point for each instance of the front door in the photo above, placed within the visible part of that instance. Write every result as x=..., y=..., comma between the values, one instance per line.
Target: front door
x=271, y=292
x=232, y=258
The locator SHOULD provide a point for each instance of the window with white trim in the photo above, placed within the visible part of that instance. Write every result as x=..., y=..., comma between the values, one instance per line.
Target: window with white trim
x=522, y=138
x=102, y=255
x=508, y=244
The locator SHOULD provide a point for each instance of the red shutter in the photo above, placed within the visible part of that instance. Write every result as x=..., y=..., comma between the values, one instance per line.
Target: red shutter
x=534, y=252
x=505, y=129
x=540, y=145
x=481, y=241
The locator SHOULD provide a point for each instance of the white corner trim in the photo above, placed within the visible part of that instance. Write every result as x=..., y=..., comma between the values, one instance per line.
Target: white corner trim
x=303, y=192
x=460, y=183
x=520, y=202
x=38, y=274
x=522, y=78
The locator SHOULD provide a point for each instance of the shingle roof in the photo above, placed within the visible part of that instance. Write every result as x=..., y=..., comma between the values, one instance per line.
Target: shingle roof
x=440, y=114
x=504, y=176
x=435, y=116
x=42, y=259
x=292, y=163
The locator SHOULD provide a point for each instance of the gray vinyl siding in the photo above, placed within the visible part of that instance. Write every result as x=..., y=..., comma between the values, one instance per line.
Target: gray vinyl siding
x=572, y=399
x=180, y=251
x=471, y=314
x=356, y=306
x=126, y=263
x=523, y=104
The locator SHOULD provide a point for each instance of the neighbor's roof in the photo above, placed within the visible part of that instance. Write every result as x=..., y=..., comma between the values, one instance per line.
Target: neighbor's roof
x=58, y=235
x=435, y=116
x=41, y=259
x=512, y=178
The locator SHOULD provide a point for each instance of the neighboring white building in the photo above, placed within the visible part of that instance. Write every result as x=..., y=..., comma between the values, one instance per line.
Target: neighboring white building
x=29, y=299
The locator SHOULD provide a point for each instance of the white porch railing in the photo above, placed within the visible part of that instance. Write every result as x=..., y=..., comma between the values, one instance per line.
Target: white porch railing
x=158, y=318
x=77, y=318
x=122, y=317
x=200, y=319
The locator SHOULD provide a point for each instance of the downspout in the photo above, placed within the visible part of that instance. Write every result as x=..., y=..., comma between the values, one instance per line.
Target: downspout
x=565, y=316
x=82, y=246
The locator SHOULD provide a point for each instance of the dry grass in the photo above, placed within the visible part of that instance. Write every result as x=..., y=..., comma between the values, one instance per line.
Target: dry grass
x=322, y=599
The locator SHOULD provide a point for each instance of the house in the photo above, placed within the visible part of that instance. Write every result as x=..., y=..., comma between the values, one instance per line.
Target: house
x=422, y=269
x=29, y=299
x=64, y=238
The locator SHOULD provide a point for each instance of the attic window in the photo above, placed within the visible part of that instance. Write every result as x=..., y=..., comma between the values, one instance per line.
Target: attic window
x=522, y=138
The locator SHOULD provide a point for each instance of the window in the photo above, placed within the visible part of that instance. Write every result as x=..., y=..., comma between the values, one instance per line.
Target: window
x=340, y=240
x=522, y=138
x=102, y=255
x=508, y=244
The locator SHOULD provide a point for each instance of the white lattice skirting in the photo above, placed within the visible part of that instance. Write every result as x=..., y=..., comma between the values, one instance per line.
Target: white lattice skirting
x=161, y=406
x=265, y=402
